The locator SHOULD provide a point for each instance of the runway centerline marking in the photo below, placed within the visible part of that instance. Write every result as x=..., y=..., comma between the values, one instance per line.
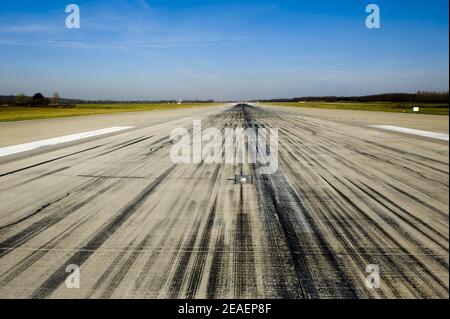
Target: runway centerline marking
x=439, y=136
x=20, y=148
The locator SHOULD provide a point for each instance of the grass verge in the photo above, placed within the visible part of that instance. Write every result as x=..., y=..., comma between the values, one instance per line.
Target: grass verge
x=436, y=109
x=10, y=114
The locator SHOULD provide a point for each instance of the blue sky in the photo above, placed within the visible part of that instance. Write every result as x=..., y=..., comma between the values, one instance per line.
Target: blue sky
x=145, y=49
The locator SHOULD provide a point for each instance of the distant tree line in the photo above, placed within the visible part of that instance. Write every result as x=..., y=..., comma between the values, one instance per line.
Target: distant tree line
x=39, y=99
x=419, y=97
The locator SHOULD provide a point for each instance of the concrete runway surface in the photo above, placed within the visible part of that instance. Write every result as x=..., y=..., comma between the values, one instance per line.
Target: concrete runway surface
x=138, y=226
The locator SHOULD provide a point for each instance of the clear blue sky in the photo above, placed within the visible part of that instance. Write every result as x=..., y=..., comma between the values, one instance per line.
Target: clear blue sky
x=152, y=49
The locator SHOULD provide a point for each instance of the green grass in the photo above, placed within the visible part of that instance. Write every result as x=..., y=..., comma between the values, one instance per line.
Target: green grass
x=437, y=109
x=9, y=114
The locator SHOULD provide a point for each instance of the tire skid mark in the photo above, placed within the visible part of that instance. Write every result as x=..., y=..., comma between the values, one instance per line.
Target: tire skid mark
x=311, y=152
x=406, y=279
x=183, y=261
x=58, y=277
x=415, y=221
x=362, y=173
x=157, y=283
x=44, y=223
x=349, y=144
x=37, y=211
x=36, y=178
x=348, y=231
x=126, y=145
x=403, y=152
x=348, y=164
x=107, y=273
x=319, y=222
x=122, y=272
x=39, y=253
x=420, y=202
x=200, y=260
x=439, y=287
x=380, y=257
x=49, y=161
x=245, y=280
x=139, y=281
x=216, y=281
x=299, y=228
x=180, y=272
x=279, y=257
x=407, y=161
x=352, y=227
x=158, y=145
x=297, y=240
x=128, y=142
x=135, y=254
x=379, y=194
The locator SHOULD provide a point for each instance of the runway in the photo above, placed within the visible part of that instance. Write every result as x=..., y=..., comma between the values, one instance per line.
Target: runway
x=345, y=196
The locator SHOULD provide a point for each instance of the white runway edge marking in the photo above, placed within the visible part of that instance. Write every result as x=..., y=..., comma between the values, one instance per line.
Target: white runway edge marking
x=9, y=150
x=439, y=136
